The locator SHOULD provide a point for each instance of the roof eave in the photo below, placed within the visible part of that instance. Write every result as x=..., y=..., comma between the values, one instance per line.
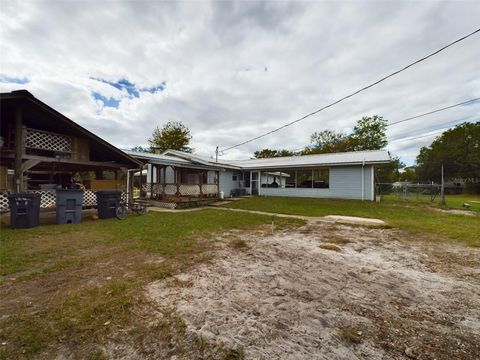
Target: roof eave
x=382, y=162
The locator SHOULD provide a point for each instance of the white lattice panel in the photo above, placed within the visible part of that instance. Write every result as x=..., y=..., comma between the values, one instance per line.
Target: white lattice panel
x=48, y=198
x=3, y=202
x=189, y=190
x=157, y=189
x=36, y=139
x=89, y=198
x=147, y=187
x=166, y=205
x=170, y=189
x=185, y=190
x=210, y=189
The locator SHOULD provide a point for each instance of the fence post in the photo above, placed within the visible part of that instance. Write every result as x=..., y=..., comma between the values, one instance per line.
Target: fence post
x=442, y=190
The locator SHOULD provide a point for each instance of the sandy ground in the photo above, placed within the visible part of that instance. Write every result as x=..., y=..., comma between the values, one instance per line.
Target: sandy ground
x=331, y=291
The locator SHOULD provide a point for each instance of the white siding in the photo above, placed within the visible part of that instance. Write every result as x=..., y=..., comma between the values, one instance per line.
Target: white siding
x=345, y=183
x=226, y=182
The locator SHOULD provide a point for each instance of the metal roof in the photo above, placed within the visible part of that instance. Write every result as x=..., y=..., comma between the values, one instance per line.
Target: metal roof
x=162, y=159
x=205, y=160
x=180, y=158
x=334, y=159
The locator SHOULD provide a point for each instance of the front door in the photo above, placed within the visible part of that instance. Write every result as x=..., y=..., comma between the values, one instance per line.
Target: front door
x=254, y=182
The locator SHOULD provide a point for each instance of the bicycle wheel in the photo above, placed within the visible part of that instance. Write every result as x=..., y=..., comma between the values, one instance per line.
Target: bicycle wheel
x=122, y=213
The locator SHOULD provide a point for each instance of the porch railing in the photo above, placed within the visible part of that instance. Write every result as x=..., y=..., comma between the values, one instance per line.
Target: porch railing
x=182, y=190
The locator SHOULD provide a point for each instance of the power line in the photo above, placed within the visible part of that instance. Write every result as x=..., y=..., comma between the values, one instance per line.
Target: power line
x=425, y=135
x=356, y=92
x=434, y=111
x=421, y=115
x=407, y=138
x=419, y=137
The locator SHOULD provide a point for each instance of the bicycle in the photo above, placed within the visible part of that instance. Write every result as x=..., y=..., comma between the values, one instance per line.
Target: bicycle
x=125, y=207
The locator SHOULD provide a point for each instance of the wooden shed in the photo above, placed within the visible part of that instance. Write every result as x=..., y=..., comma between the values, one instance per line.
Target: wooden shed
x=40, y=149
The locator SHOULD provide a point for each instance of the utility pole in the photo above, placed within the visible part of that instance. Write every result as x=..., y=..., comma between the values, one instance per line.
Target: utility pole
x=442, y=190
x=216, y=154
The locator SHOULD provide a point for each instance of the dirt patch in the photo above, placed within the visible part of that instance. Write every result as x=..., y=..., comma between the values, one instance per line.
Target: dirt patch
x=458, y=212
x=384, y=295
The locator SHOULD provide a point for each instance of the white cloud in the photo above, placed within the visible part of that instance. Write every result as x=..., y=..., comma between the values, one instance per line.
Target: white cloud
x=236, y=69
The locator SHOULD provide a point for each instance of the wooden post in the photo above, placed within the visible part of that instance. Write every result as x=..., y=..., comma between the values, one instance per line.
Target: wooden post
x=177, y=181
x=217, y=173
x=141, y=180
x=157, y=182
x=442, y=191
x=130, y=179
x=200, y=180
x=164, y=183
x=151, y=180
x=19, y=149
x=52, y=174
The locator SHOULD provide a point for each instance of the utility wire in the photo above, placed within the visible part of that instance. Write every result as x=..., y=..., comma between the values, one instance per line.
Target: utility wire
x=422, y=136
x=414, y=117
x=356, y=92
x=419, y=137
x=434, y=111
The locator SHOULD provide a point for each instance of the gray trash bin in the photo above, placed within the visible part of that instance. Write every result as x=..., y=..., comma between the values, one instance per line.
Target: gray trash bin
x=69, y=206
x=107, y=203
x=24, y=210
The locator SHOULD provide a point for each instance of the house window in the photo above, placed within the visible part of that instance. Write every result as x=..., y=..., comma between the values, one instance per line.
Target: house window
x=304, y=178
x=247, y=179
x=189, y=177
x=313, y=179
x=321, y=178
x=237, y=176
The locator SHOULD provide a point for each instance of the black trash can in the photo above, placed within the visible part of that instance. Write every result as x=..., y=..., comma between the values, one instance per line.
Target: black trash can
x=24, y=210
x=69, y=206
x=107, y=203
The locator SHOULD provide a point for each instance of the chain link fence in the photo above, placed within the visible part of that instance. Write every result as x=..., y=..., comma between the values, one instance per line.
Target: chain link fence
x=409, y=191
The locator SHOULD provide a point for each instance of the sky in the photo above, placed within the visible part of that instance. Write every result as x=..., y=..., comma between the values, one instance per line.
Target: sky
x=233, y=70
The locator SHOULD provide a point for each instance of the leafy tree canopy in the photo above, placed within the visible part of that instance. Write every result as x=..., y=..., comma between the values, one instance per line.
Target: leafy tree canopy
x=173, y=135
x=457, y=149
x=409, y=174
x=391, y=172
x=139, y=148
x=268, y=153
x=369, y=134
x=327, y=141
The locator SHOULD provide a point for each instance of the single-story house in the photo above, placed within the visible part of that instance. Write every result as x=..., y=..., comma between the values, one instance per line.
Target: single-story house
x=347, y=175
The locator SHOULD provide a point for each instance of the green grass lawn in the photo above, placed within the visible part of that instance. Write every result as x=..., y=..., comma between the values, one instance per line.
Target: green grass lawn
x=452, y=201
x=415, y=217
x=71, y=286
